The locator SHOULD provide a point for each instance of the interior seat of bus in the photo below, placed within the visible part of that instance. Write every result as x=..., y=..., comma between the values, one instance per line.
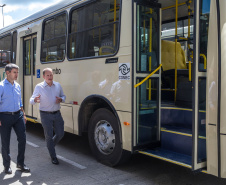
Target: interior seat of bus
x=168, y=67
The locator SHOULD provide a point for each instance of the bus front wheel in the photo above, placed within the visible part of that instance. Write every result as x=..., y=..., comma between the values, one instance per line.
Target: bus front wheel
x=104, y=137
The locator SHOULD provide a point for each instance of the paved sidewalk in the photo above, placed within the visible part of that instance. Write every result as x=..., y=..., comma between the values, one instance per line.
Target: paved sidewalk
x=79, y=167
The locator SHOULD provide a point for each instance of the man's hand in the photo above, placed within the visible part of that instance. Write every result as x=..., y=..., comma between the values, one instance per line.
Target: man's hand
x=0, y=123
x=58, y=99
x=37, y=99
x=25, y=119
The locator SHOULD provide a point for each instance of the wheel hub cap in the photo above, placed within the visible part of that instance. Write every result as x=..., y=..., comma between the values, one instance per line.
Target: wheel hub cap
x=104, y=137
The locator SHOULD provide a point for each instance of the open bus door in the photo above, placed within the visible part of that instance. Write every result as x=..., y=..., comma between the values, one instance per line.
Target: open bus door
x=146, y=61
x=174, y=130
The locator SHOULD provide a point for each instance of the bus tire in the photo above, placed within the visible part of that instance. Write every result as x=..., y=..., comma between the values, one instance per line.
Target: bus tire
x=104, y=138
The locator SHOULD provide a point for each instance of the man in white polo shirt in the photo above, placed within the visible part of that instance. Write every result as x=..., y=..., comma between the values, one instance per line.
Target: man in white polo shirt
x=50, y=94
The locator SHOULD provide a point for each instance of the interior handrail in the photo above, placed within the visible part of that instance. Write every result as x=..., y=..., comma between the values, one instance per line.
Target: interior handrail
x=204, y=57
x=135, y=86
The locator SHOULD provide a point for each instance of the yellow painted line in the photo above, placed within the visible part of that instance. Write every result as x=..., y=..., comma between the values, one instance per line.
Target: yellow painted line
x=32, y=120
x=174, y=108
x=165, y=159
x=170, y=160
x=177, y=108
x=181, y=133
x=202, y=137
x=151, y=108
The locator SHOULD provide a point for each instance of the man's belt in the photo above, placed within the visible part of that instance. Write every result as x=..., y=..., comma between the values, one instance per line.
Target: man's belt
x=49, y=112
x=11, y=113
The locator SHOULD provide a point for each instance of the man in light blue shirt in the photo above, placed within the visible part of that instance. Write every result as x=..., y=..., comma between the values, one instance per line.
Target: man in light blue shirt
x=12, y=116
x=50, y=94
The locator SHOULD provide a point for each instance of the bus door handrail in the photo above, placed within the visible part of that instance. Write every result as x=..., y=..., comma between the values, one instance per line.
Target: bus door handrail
x=138, y=84
x=204, y=57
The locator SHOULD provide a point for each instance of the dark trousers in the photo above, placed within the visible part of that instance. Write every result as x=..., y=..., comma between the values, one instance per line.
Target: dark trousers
x=17, y=123
x=52, y=122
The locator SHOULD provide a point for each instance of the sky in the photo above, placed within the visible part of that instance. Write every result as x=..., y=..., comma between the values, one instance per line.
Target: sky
x=16, y=10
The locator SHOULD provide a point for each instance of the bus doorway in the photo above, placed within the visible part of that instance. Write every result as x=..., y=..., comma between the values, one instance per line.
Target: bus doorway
x=170, y=104
x=29, y=60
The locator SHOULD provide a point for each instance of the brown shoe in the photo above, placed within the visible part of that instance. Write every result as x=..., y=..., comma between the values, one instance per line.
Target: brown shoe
x=8, y=170
x=23, y=168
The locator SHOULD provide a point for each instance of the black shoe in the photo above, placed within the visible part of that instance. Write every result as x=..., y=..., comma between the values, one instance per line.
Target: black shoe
x=8, y=170
x=55, y=160
x=23, y=168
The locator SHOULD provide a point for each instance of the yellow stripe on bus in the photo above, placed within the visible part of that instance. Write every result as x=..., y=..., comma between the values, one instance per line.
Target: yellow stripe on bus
x=181, y=133
x=165, y=159
x=177, y=108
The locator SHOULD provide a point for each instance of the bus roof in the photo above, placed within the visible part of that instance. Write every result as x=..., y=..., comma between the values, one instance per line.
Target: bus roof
x=56, y=7
x=168, y=14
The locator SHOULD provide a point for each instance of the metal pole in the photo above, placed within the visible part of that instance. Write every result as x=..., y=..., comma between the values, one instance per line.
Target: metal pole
x=2, y=13
x=3, y=17
x=176, y=19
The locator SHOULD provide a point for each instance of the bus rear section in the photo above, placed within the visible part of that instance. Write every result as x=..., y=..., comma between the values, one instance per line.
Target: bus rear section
x=170, y=65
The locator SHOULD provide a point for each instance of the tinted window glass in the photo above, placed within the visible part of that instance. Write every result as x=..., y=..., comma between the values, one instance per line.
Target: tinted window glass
x=53, y=43
x=34, y=53
x=94, y=29
x=14, y=47
x=203, y=34
x=27, y=57
x=5, y=50
x=49, y=29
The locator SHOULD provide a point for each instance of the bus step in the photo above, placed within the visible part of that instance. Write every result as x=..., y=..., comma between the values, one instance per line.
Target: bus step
x=176, y=116
x=181, y=117
x=166, y=155
x=179, y=140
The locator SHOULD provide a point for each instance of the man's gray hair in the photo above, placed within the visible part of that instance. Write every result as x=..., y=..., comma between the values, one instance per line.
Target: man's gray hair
x=46, y=69
x=9, y=67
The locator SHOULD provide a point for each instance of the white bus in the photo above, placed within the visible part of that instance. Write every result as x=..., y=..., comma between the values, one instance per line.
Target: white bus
x=140, y=76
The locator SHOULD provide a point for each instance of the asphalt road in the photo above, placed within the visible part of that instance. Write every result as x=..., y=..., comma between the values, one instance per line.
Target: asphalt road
x=78, y=166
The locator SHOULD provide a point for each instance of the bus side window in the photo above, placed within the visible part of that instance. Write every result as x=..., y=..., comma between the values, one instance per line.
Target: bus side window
x=54, y=39
x=96, y=33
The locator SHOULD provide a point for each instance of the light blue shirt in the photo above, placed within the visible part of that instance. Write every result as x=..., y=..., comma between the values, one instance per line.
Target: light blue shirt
x=48, y=96
x=10, y=96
